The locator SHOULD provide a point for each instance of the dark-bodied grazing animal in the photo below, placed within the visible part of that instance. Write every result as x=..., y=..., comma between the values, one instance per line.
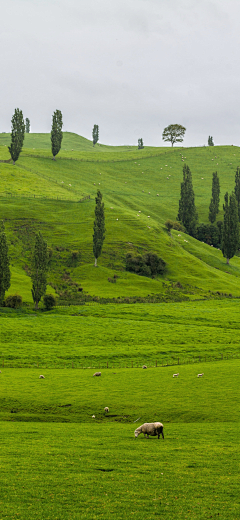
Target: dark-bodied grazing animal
x=152, y=429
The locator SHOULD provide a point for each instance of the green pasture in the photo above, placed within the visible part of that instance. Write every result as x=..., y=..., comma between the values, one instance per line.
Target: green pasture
x=121, y=335
x=57, y=461
x=141, y=189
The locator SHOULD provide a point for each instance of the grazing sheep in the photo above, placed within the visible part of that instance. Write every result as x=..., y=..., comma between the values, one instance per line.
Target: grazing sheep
x=176, y=375
x=144, y=366
x=97, y=374
x=41, y=377
x=106, y=409
x=0, y=371
x=200, y=375
x=93, y=416
x=152, y=429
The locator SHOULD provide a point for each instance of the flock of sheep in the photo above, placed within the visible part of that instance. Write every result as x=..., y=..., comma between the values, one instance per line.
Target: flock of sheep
x=153, y=429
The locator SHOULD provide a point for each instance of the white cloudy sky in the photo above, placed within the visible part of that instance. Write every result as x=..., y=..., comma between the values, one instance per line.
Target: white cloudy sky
x=130, y=66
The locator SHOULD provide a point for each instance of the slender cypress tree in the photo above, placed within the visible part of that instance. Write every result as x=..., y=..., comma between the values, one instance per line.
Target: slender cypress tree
x=98, y=227
x=17, y=134
x=5, y=274
x=95, y=134
x=214, y=204
x=237, y=189
x=210, y=141
x=140, y=144
x=230, y=233
x=27, y=125
x=39, y=269
x=187, y=213
x=56, y=132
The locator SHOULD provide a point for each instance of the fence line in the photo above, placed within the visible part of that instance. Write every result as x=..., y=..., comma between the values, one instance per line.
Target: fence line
x=119, y=365
x=42, y=197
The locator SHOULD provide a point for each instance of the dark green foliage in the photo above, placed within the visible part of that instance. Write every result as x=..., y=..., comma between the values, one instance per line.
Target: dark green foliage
x=27, y=125
x=17, y=134
x=237, y=189
x=98, y=227
x=95, y=134
x=210, y=234
x=14, y=301
x=39, y=269
x=230, y=233
x=210, y=141
x=140, y=144
x=56, y=132
x=49, y=301
x=178, y=226
x=169, y=225
x=174, y=133
x=5, y=274
x=149, y=264
x=214, y=204
x=187, y=213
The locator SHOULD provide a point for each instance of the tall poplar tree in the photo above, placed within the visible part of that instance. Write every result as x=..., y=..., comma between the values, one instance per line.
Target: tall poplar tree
x=17, y=134
x=230, y=232
x=5, y=274
x=214, y=204
x=56, y=132
x=187, y=213
x=98, y=227
x=27, y=125
x=237, y=189
x=39, y=269
x=95, y=134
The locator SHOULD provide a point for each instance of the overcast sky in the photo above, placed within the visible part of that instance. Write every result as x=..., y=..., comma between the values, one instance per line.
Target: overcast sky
x=130, y=66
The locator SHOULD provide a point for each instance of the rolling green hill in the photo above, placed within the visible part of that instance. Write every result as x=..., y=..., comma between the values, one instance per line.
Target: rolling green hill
x=140, y=190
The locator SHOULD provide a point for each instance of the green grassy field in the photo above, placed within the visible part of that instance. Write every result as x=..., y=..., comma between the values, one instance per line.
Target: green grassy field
x=121, y=334
x=57, y=461
x=95, y=468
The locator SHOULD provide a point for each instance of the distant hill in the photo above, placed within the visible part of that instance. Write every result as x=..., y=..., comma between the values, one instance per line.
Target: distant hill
x=141, y=190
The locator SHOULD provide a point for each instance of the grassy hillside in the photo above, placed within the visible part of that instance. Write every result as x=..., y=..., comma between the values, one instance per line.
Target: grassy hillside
x=140, y=190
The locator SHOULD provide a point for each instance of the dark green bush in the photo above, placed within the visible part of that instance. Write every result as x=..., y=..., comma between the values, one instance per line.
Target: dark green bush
x=149, y=264
x=49, y=301
x=14, y=301
x=210, y=234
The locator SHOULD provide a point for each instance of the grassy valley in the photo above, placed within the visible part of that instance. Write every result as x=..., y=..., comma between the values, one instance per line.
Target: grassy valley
x=62, y=456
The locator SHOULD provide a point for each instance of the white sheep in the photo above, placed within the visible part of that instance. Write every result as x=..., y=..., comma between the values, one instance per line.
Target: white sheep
x=144, y=366
x=41, y=377
x=152, y=429
x=97, y=374
x=106, y=409
x=200, y=375
x=176, y=375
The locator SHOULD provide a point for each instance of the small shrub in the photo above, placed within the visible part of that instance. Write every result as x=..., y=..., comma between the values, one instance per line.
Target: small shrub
x=149, y=264
x=169, y=225
x=178, y=226
x=14, y=301
x=49, y=301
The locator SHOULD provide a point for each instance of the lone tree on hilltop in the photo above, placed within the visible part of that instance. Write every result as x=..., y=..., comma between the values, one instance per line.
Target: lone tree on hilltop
x=5, y=274
x=140, y=144
x=230, y=232
x=27, y=125
x=237, y=189
x=98, y=227
x=174, y=133
x=187, y=213
x=56, y=132
x=214, y=204
x=95, y=134
x=210, y=141
x=17, y=134
x=39, y=269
